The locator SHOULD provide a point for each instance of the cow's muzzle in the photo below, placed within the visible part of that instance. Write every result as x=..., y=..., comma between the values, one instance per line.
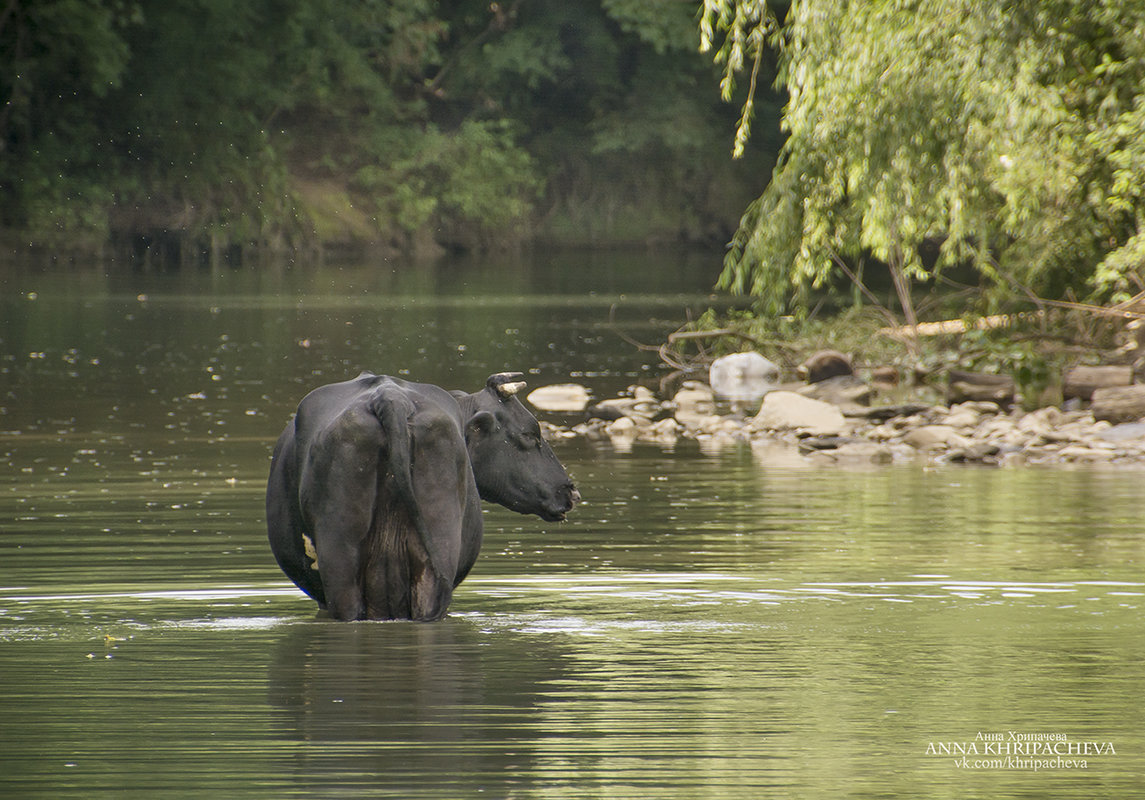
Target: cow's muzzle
x=563, y=502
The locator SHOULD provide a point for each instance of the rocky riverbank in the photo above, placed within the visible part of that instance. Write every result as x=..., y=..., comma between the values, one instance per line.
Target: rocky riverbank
x=841, y=430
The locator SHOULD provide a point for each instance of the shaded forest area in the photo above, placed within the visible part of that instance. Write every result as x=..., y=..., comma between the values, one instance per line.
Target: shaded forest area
x=187, y=130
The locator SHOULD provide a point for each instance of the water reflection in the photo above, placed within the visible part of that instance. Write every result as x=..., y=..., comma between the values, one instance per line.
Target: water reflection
x=406, y=705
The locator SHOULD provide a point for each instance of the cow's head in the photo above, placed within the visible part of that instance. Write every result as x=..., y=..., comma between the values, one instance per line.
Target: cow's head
x=513, y=464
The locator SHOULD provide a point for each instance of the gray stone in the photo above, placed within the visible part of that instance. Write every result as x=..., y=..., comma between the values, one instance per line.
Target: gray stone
x=1077, y=452
x=962, y=417
x=842, y=390
x=974, y=452
x=882, y=413
x=1125, y=432
x=861, y=453
x=935, y=437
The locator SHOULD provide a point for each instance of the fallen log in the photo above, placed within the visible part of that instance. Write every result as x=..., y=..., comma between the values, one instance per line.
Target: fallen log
x=1081, y=382
x=965, y=387
x=952, y=327
x=1119, y=404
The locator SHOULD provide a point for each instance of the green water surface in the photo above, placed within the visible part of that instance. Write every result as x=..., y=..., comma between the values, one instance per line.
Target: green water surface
x=705, y=625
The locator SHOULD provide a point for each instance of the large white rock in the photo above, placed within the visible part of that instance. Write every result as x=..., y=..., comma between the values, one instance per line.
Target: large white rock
x=783, y=411
x=559, y=397
x=743, y=377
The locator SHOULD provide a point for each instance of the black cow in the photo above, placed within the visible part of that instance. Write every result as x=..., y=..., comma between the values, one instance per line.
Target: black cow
x=373, y=502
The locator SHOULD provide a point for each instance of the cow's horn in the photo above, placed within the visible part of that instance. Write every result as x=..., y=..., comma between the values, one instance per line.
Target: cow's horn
x=506, y=384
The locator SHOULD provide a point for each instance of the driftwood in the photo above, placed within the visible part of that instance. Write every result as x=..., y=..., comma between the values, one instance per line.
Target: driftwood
x=1081, y=382
x=1131, y=309
x=1119, y=403
x=951, y=327
x=972, y=386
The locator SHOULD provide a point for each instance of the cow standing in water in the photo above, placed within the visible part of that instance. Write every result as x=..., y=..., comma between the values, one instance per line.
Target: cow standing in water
x=373, y=503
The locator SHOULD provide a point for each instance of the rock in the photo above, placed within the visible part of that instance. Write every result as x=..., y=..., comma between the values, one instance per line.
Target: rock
x=934, y=437
x=1040, y=423
x=743, y=377
x=998, y=429
x=607, y=413
x=1125, y=432
x=1077, y=452
x=885, y=376
x=842, y=390
x=981, y=406
x=791, y=411
x=883, y=433
x=559, y=397
x=860, y=453
x=811, y=443
x=1075, y=430
x=1082, y=382
x=625, y=426
x=1119, y=404
x=965, y=386
x=823, y=365
x=693, y=403
x=962, y=416
x=708, y=424
x=883, y=413
x=642, y=394
x=974, y=452
x=640, y=403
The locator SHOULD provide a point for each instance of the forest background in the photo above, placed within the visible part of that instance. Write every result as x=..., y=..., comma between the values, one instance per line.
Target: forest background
x=189, y=128
x=891, y=141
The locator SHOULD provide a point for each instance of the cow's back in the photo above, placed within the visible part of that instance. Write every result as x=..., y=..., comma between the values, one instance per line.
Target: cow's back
x=343, y=489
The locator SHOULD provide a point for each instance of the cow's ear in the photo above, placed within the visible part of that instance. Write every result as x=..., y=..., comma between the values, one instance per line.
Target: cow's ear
x=482, y=422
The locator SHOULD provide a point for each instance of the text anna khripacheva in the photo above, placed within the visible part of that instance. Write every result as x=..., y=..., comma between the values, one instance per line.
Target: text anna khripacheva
x=1022, y=751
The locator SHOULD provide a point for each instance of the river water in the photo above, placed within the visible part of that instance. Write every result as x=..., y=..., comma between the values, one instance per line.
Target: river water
x=724, y=624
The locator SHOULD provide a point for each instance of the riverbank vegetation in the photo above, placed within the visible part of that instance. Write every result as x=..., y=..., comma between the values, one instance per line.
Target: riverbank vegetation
x=1008, y=139
x=192, y=129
